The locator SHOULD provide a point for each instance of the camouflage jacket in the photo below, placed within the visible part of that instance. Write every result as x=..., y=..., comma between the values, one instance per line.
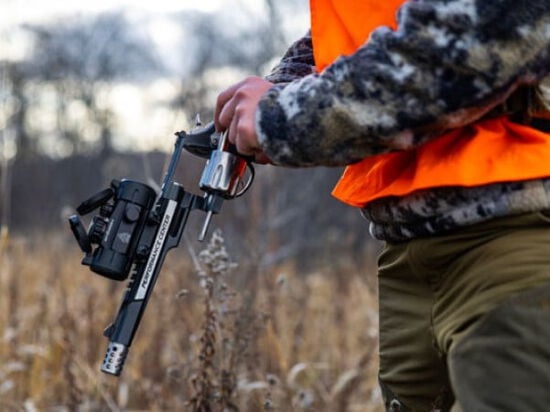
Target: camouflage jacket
x=449, y=63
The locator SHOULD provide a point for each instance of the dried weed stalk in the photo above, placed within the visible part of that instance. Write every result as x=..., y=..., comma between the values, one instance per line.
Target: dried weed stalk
x=74, y=396
x=215, y=381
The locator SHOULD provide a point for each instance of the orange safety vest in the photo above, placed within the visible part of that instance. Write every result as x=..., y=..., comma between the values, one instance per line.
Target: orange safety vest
x=489, y=151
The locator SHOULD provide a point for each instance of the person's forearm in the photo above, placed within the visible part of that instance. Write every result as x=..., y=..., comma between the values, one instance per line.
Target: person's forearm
x=447, y=65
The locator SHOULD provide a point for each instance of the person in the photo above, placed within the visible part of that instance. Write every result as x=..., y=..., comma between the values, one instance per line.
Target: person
x=439, y=110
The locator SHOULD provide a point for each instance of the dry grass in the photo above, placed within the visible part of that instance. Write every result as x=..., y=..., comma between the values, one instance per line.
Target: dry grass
x=209, y=341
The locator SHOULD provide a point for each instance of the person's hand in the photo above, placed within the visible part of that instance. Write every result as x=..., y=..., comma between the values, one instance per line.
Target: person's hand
x=235, y=110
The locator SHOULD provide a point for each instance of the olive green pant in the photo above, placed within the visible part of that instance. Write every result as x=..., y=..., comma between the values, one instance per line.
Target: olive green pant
x=465, y=319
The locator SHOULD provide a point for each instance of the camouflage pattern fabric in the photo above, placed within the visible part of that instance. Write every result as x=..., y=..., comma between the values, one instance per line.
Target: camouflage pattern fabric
x=450, y=63
x=296, y=63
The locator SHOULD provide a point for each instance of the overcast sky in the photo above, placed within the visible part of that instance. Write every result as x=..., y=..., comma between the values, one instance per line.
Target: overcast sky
x=16, y=11
x=136, y=105
x=160, y=27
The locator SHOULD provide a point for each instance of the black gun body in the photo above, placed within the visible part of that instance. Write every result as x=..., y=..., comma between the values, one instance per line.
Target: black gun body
x=161, y=233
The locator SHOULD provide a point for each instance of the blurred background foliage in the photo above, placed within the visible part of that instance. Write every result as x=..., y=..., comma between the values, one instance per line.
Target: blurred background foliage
x=96, y=96
x=93, y=96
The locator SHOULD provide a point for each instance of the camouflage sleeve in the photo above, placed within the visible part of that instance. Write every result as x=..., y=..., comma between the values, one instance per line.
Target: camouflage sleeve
x=448, y=63
x=296, y=63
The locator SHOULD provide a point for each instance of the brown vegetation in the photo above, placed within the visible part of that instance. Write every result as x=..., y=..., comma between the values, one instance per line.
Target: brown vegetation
x=291, y=328
x=209, y=341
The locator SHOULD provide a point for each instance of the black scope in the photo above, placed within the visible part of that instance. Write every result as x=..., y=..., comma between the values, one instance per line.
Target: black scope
x=124, y=209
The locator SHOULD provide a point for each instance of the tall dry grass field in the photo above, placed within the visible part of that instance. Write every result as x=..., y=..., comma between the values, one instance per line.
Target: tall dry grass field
x=210, y=340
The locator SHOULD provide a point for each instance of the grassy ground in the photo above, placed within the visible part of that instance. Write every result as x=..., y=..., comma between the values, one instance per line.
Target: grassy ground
x=210, y=340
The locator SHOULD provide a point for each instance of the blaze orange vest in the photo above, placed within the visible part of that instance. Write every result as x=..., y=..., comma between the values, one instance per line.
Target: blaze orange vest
x=489, y=151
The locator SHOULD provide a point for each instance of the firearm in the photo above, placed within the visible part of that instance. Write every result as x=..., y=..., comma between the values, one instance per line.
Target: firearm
x=136, y=227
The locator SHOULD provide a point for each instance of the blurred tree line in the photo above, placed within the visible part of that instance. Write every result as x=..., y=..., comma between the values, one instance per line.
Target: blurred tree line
x=60, y=136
